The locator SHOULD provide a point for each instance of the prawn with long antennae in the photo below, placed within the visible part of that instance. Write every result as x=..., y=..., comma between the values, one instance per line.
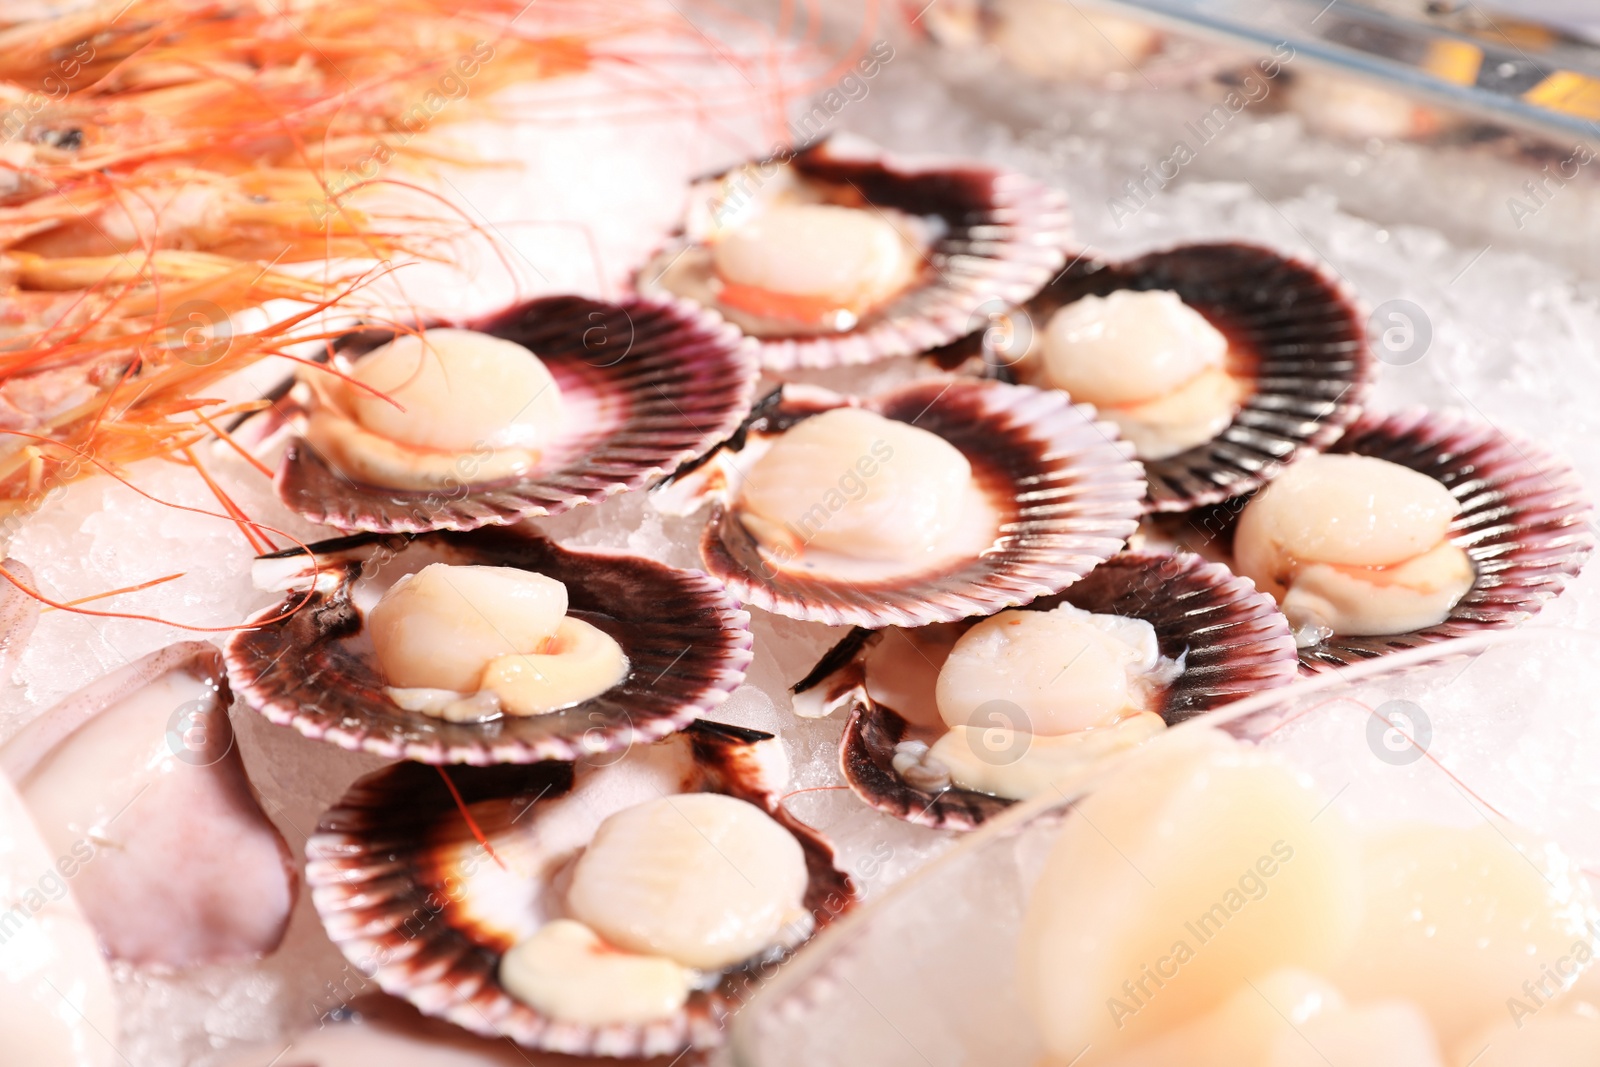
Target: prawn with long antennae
x=169, y=158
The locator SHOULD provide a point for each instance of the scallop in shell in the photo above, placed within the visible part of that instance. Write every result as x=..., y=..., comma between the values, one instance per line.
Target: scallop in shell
x=678, y=646
x=554, y=403
x=1524, y=520
x=428, y=877
x=931, y=502
x=838, y=254
x=1266, y=354
x=1217, y=639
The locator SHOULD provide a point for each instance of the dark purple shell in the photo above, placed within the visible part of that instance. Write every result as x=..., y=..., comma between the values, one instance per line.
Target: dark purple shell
x=387, y=889
x=687, y=644
x=672, y=379
x=1525, y=520
x=1068, y=494
x=1004, y=236
x=1297, y=325
x=1233, y=639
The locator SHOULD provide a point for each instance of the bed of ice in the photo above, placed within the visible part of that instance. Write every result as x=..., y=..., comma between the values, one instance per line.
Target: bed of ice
x=1514, y=321
x=930, y=980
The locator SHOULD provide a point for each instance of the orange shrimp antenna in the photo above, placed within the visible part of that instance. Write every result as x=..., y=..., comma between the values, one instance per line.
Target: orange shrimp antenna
x=472, y=824
x=125, y=589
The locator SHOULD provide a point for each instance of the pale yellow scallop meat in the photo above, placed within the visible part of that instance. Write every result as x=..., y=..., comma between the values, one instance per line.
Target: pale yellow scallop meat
x=1007, y=763
x=1290, y=1018
x=701, y=878
x=1456, y=919
x=579, y=661
x=843, y=254
x=1355, y=510
x=1533, y=1035
x=1354, y=545
x=373, y=459
x=859, y=484
x=1201, y=865
x=440, y=627
x=1130, y=347
x=1191, y=415
x=1408, y=596
x=567, y=973
x=1049, y=672
x=1242, y=1030
x=1390, y=1033
x=457, y=390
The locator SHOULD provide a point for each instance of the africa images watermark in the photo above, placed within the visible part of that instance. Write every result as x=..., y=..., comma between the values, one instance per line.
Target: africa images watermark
x=53, y=88
x=1542, y=190
x=1138, y=192
x=451, y=86
x=742, y=185
x=50, y=886
x=1251, y=886
x=1553, y=979
x=851, y=486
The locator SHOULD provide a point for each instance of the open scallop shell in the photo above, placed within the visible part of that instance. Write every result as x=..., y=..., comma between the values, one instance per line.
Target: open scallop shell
x=398, y=880
x=1291, y=326
x=687, y=645
x=649, y=384
x=1525, y=520
x=1063, y=491
x=998, y=236
x=1233, y=641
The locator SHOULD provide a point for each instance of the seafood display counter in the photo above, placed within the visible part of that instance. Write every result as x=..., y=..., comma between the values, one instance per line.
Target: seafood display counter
x=1012, y=533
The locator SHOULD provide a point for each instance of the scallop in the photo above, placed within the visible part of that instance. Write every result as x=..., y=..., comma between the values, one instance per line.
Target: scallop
x=1061, y=670
x=567, y=972
x=1456, y=918
x=440, y=627
x=1129, y=347
x=489, y=646
x=1222, y=362
x=1354, y=545
x=704, y=879
x=1524, y=523
x=1202, y=864
x=1151, y=363
x=1356, y=510
x=538, y=408
x=575, y=663
x=620, y=908
x=949, y=724
x=1015, y=766
x=853, y=482
x=438, y=409
x=820, y=264
x=934, y=501
x=453, y=390
x=1549, y=1039
x=840, y=254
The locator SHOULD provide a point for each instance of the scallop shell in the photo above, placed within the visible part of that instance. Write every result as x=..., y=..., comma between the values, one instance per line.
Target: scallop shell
x=656, y=382
x=1525, y=520
x=1233, y=639
x=687, y=645
x=391, y=885
x=1003, y=236
x=1297, y=326
x=1065, y=492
